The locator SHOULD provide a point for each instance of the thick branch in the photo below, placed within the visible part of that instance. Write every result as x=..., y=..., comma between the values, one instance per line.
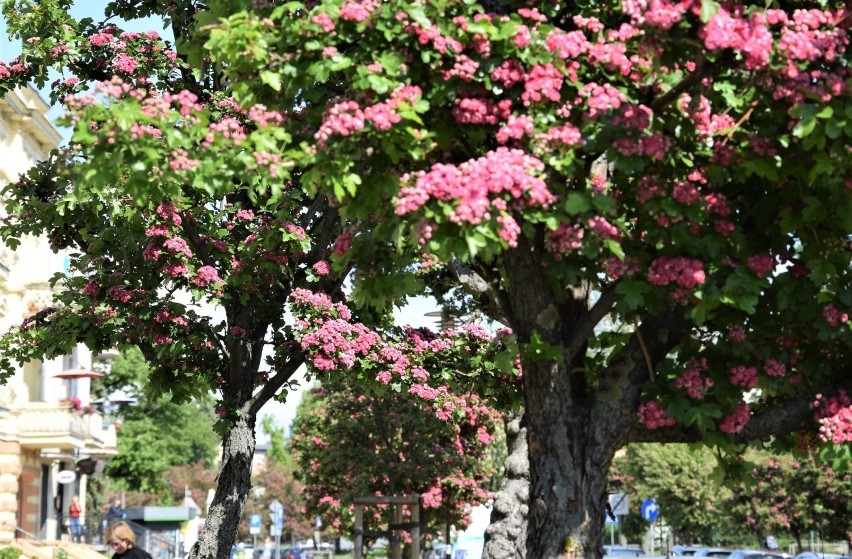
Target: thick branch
x=480, y=289
x=585, y=326
x=275, y=383
x=701, y=70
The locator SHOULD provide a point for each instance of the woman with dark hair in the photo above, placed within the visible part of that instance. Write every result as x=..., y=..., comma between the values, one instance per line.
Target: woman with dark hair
x=121, y=539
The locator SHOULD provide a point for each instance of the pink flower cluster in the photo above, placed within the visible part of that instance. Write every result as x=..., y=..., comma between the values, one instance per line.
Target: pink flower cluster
x=355, y=10
x=685, y=272
x=834, y=415
x=342, y=119
x=516, y=127
x=656, y=145
x=601, y=98
x=479, y=110
x=567, y=45
x=662, y=14
x=774, y=368
x=706, y=121
x=566, y=238
x=751, y=37
x=653, y=416
x=431, y=34
x=691, y=379
x=837, y=429
x=480, y=186
x=206, y=275
x=508, y=73
x=833, y=315
x=566, y=134
x=743, y=376
x=737, y=420
x=761, y=264
x=543, y=81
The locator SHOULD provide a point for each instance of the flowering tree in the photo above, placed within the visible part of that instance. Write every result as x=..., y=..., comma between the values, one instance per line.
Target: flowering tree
x=351, y=443
x=652, y=194
x=795, y=496
x=685, y=484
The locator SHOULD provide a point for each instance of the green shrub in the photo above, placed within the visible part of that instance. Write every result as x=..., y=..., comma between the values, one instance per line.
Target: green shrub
x=10, y=553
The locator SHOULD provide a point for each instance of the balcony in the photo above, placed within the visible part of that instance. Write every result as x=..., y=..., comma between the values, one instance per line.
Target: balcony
x=45, y=425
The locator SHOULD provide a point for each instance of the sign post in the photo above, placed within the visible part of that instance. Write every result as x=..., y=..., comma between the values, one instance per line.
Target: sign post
x=254, y=527
x=618, y=507
x=650, y=512
x=277, y=526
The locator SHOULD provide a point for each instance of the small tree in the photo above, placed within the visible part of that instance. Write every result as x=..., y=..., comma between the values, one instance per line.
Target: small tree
x=349, y=444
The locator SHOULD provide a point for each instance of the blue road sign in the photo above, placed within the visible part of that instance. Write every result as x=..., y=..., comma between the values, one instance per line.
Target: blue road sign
x=650, y=510
x=255, y=520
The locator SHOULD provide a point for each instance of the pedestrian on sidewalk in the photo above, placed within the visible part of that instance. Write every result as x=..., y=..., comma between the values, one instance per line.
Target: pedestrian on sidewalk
x=120, y=538
x=74, y=512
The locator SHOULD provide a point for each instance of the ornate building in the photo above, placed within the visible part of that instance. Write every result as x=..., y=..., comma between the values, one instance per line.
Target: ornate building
x=50, y=438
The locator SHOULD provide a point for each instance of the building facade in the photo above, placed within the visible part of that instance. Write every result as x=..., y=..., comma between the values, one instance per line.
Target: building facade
x=50, y=438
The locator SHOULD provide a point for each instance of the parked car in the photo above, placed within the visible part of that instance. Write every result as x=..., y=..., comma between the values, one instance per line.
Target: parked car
x=622, y=551
x=719, y=552
x=757, y=554
x=821, y=555
x=294, y=552
x=684, y=550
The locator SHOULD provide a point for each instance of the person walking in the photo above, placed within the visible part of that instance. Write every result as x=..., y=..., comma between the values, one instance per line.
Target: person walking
x=74, y=512
x=114, y=513
x=120, y=538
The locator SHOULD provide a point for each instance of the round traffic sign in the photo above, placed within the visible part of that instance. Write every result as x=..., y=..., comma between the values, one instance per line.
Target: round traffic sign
x=650, y=510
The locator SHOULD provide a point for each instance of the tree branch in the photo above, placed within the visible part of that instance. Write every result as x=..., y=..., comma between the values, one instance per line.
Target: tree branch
x=585, y=326
x=474, y=284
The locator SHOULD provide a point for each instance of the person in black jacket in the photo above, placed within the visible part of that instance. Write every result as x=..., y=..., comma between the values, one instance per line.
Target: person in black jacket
x=121, y=539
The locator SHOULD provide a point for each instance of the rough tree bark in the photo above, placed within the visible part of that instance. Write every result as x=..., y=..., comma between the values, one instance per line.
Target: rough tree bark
x=234, y=483
x=506, y=536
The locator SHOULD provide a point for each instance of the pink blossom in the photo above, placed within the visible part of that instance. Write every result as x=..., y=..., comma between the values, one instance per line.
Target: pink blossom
x=761, y=264
x=321, y=268
x=653, y=416
x=833, y=316
x=124, y=63
x=743, y=376
x=100, y=39
x=686, y=272
x=324, y=21
x=543, y=81
x=736, y=421
x=479, y=186
x=206, y=275
x=176, y=245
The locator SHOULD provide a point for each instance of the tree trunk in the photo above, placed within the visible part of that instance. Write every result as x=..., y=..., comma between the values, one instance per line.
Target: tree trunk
x=220, y=529
x=506, y=536
x=570, y=454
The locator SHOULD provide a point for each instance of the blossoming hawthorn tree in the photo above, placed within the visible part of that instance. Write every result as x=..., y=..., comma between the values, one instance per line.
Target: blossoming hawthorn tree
x=170, y=203
x=350, y=442
x=653, y=195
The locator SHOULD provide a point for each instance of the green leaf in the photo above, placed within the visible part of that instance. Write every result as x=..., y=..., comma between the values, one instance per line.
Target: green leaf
x=539, y=350
x=576, y=203
x=709, y=8
x=272, y=79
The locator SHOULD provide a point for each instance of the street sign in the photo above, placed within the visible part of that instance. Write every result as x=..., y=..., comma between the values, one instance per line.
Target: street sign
x=66, y=476
x=254, y=523
x=650, y=510
x=277, y=518
x=618, y=504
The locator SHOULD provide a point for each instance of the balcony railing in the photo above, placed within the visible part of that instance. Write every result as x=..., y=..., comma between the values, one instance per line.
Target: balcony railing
x=46, y=425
